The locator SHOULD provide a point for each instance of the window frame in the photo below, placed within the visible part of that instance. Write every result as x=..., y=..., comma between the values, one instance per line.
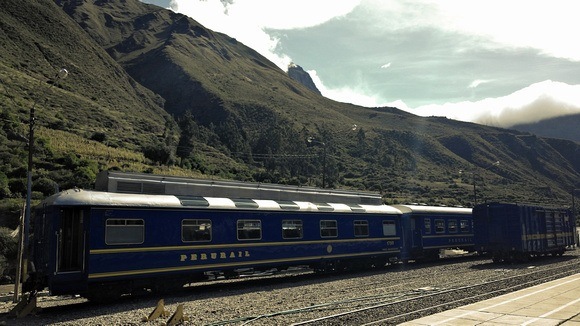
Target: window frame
x=326, y=228
x=291, y=226
x=464, y=226
x=427, y=225
x=440, y=228
x=392, y=226
x=248, y=221
x=452, y=226
x=202, y=222
x=365, y=227
x=108, y=227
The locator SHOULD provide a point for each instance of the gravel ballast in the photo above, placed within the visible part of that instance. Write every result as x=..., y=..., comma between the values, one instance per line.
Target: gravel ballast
x=281, y=299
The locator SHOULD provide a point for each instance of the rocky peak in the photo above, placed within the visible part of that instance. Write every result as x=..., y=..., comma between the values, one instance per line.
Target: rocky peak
x=298, y=74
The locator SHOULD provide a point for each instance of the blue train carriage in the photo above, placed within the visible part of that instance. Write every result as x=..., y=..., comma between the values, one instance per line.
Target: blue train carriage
x=429, y=231
x=102, y=245
x=514, y=232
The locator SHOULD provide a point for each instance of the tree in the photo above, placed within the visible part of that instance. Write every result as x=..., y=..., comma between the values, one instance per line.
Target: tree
x=189, y=131
x=4, y=189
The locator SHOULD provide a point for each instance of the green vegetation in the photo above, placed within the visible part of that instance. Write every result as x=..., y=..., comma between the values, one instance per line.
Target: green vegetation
x=8, y=253
x=152, y=91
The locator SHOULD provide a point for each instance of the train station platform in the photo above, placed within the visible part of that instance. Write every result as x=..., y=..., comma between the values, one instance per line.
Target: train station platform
x=553, y=303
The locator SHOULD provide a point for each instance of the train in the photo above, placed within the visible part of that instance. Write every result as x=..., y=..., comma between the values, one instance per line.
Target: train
x=518, y=232
x=136, y=233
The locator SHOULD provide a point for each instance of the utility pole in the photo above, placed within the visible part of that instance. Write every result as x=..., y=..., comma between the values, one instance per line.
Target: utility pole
x=62, y=73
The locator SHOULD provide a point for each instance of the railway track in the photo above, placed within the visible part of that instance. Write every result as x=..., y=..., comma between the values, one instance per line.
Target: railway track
x=413, y=307
x=378, y=297
x=395, y=305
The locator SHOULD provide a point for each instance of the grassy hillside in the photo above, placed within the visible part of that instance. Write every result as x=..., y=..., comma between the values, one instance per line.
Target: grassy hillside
x=151, y=90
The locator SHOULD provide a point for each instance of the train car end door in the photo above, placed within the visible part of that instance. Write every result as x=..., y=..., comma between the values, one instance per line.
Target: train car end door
x=70, y=247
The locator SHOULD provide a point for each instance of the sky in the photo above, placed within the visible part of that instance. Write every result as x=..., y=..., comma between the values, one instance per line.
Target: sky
x=492, y=62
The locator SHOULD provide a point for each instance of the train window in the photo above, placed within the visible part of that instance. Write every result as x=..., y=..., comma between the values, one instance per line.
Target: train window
x=439, y=226
x=245, y=203
x=328, y=229
x=288, y=205
x=195, y=230
x=464, y=226
x=249, y=229
x=292, y=229
x=361, y=228
x=452, y=225
x=124, y=231
x=389, y=228
x=324, y=207
x=427, y=222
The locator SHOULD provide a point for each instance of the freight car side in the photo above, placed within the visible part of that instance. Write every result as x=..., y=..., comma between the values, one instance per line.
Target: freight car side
x=510, y=232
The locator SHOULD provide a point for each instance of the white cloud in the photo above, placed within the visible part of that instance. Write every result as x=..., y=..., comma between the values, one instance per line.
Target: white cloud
x=478, y=82
x=548, y=26
x=348, y=94
x=247, y=20
x=547, y=99
x=544, y=100
x=354, y=94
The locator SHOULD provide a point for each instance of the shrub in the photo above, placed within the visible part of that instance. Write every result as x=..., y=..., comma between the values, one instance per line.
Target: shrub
x=159, y=153
x=10, y=211
x=46, y=186
x=8, y=244
x=99, y=136
x=4, y=189
x=18, y=187
x=8, y=252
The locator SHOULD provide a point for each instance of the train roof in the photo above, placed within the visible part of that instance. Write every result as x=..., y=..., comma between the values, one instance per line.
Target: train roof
x=79, y=197
x=142, y=183
x=537, y=207
x=432, y=209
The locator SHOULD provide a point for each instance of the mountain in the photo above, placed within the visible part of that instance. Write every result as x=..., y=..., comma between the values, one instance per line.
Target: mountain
x=37, y=40
x=565, y=127
x=298, y=74
x=150, y=90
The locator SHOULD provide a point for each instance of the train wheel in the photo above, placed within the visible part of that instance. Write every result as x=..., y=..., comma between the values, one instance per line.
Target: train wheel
x=324, y=267
x=522, y=257
x=104, y=293
x=228, y=274
x=431, y=255
x=168, y=288
x=379, y=263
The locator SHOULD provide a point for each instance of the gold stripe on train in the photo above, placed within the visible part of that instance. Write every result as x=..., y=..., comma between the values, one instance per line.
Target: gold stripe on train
x=237, y=245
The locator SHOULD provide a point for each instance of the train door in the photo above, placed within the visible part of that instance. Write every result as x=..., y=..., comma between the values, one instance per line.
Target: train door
x=416, y=241
x=559, y=229
x=548, y=217
x=70, y=246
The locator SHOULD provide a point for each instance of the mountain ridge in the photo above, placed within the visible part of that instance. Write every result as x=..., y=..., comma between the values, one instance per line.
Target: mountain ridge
x=564, y=127
x=187, y=100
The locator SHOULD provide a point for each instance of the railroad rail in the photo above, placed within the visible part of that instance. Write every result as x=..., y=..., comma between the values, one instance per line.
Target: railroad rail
x=395, y=307
x=384, y=296
x=407, y=309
